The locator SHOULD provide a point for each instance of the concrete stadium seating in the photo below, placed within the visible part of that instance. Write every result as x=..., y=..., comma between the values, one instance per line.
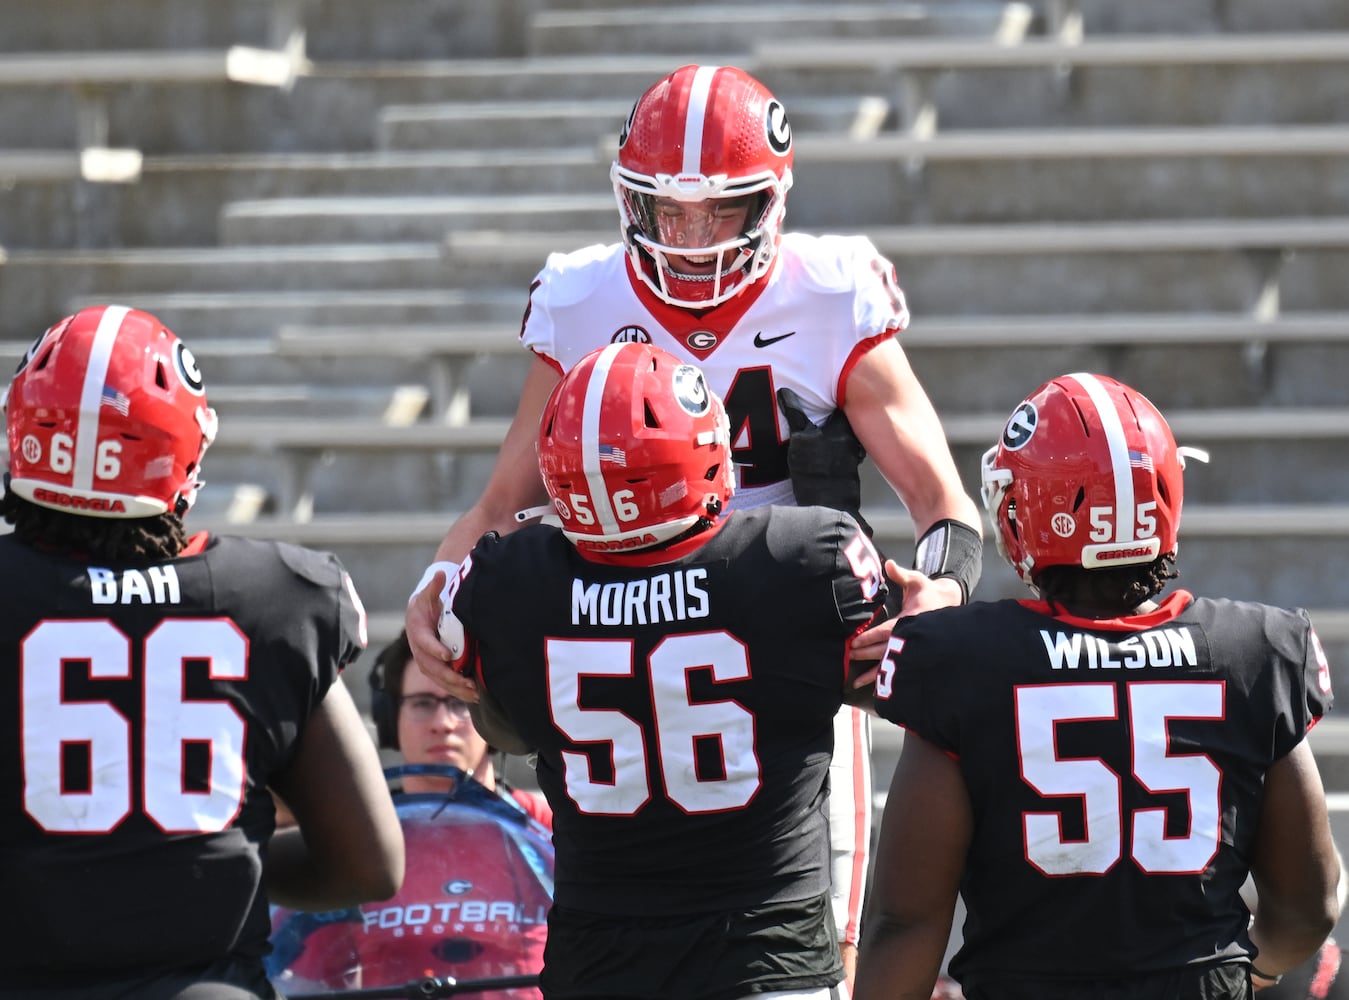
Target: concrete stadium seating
x=1133, y=266
x=732, y=28
x=967, y=176
x=1164, y=79
x=83, y=81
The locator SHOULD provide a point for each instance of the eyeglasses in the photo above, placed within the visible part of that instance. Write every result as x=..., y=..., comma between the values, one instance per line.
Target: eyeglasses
x=422, y=707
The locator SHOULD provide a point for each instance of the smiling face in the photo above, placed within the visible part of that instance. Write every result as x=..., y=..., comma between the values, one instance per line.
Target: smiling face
x=432, y=731
x=698, y=225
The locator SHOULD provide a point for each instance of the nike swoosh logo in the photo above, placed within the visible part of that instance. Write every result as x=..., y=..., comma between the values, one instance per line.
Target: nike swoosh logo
x=761, y=341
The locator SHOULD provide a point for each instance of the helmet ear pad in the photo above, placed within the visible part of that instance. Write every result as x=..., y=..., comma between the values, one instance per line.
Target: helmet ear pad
x=386, y=683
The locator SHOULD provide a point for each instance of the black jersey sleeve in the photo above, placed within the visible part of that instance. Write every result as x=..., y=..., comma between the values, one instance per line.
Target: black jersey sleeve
x=831, y=552
x=340, y=631
x=909, y=686
x=1302, y=691
x=489, y=715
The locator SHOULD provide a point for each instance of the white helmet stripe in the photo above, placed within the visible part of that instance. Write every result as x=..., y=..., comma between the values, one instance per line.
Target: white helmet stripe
x=91, y=395
x=1119, y=454
x=697, y=115
x=590, y=439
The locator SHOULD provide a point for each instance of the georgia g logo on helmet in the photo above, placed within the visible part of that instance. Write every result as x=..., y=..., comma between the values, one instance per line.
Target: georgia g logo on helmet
x=1020, y=426
x=185, y=364
x=690, y=390
x=779, y=130
x=626, y=130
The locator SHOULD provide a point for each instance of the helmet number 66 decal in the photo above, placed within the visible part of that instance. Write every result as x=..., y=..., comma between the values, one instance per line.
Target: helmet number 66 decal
x=107, y=458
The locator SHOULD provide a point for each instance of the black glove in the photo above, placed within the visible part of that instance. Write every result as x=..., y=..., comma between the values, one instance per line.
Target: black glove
x=823, y=461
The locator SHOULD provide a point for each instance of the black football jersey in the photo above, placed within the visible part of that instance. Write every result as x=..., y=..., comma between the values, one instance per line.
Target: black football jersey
x=1115, y=770
x=145, y=708
x=682, y=712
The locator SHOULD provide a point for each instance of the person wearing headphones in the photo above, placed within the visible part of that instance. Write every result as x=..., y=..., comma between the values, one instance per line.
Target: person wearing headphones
x=425, y=726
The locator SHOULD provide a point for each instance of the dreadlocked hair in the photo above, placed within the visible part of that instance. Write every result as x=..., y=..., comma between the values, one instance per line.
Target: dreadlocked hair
x=138, y=539
x=1122, y=588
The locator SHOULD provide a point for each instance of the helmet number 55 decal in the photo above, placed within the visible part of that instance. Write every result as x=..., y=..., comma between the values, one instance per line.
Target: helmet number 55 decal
x=1145, y=520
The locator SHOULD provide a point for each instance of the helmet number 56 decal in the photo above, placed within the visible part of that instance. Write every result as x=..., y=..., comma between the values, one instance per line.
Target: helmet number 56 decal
x=622, y=502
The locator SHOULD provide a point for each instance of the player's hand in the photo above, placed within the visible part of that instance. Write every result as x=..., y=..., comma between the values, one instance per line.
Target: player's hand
x=823, y=461
x=920, y=594
x=433, y=657
x=869, y=647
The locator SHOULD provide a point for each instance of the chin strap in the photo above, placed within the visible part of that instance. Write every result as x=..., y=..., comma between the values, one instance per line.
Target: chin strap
x=530, y=513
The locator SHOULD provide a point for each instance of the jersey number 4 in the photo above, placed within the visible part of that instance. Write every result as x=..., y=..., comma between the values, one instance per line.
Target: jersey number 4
x=679, y=724
x=1042, y=709
x=54, y=724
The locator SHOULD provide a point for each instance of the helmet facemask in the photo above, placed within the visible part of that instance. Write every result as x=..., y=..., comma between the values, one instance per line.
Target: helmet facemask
x=659, y=260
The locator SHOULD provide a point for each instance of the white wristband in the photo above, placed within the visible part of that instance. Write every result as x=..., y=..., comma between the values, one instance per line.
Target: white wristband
x=450, y=569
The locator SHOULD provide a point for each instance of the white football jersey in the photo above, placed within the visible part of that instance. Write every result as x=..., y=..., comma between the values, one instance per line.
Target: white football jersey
x=828, y=300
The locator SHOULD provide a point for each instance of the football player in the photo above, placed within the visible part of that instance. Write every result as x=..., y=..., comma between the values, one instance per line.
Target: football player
x=796, y=333
x=1096, y=771
x=677, y=675
x=155, y=685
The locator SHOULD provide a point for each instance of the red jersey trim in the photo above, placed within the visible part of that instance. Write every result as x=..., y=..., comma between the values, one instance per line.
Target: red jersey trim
x=860, y=349
x=680, y=322
x=552, y=362
x=1167, y=610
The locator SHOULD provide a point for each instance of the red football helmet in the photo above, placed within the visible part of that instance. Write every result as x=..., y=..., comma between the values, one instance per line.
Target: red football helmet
x=1086, y=473
x=634, y=449
x=703, y=132
x=107, y=417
